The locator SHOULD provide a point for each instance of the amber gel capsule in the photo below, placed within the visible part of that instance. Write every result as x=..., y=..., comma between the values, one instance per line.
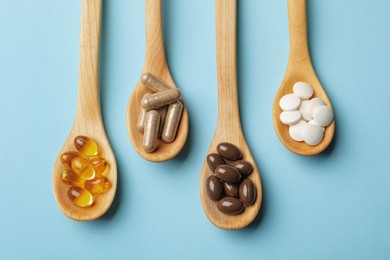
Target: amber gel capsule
x=153, y=83
x=141, y=117
x=98, y=185
x=100, y=165
x=152, y=122
x=86, y=145
x=80, y=197
x=83, y=168
x=160, y=99
x=67, y=157
x=172, y=121
x=71, y=178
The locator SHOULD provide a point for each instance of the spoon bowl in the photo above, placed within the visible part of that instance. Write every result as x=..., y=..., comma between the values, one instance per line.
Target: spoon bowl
x=88, y=120
x=300, y=68
x=156, y=64
x=229, y=123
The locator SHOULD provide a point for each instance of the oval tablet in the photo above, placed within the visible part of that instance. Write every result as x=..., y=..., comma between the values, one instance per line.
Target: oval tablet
x=296, y=130
x=312, y=134
x=323, y=115
x=290, y=117
x=303, y=90
x=313, y=104
x=304, y=111
x=289, y=102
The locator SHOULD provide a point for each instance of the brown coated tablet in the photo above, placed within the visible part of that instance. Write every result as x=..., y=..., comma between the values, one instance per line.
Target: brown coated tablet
x=247, y=192
x=228, y=173
x=231, y=190
x=214, y=188
x=230, y=206
x=214, y=160
x=244, y=167
x=229, y=151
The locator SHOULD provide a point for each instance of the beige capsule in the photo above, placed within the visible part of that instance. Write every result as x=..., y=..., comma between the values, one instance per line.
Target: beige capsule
x=172, y=121
x=153, y=83
x=152, y=123
x=163, y=114
x=141, y=117
x=160, y=99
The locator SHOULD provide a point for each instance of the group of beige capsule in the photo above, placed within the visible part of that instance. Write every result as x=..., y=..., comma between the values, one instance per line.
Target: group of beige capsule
x=160, y=112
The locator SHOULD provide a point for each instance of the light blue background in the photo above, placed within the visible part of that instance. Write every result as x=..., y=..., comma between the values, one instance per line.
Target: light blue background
x=332, y=206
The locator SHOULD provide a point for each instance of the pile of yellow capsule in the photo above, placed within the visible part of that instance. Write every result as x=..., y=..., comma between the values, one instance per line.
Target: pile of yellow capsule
x=86, y=172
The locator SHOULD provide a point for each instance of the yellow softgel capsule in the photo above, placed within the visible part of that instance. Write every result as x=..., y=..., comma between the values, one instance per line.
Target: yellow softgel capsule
x=67, y=157
x=100, y=165
x=80, y=197
x=83, y=168
x=71, y=178
x=98, y=185
x=86, y=145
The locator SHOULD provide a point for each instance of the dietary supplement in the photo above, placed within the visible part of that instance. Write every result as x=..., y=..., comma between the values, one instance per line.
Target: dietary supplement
x=172, y=121
x=141, y=117
x=85, y=173
x=228, y=185
x=160, y=99
x=152, y=123
x=153, y=83
x=306, y=118
x=162, y=111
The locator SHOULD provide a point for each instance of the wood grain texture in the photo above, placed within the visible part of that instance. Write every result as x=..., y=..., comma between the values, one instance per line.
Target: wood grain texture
x=299, y=68
x=229, y=124
x=155, y=63
x=88, y=119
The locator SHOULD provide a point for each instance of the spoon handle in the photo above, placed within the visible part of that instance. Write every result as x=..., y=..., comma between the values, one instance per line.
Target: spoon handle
x=155, y=60
x=88, y=107
x=299, y=51
x=228, y=109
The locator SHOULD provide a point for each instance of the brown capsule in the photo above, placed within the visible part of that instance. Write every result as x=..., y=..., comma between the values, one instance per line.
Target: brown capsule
x=172, y=121
x=141, y=117
x=214, y=160
x=214, y=188
x=160, y=99
x=247, y=192
x=228, y=173
x=230, y=206
x=153, y=83
x=229, y=151
x=163, y=115
x=152, y=122
x=244, y=167
x=231, y=190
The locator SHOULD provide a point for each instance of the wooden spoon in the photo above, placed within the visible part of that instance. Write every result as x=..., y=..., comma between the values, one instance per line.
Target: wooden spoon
x=155, y=63
x=229, y=124
x=299, y=69
x=88, y=121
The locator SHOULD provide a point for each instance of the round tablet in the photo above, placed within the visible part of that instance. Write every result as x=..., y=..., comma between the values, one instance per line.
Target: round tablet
x=313, y=104
x=289, y=102
x=290, y=117
x=303, y=90
x=312, y=122
x=304, y=111
x=323, y=115
x=312, y=134
x=295, y=131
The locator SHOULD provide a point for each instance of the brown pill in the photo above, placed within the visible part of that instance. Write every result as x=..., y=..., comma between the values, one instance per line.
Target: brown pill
x=229, y=151
x=153, y=83
x=214, y=160
x=172, y=121
x=228, y=173
x=163, y=114
x=160, y=99
x=244, y=167
x=231, y=190
x=230, y=206
x=152, y=122
x=247, y=192
x=141, y=117
x=214, y=188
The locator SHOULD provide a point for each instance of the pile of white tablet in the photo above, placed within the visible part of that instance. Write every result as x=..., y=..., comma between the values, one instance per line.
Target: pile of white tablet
x=306, y=117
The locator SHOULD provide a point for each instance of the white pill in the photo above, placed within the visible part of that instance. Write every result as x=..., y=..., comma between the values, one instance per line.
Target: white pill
x=303, y=90
x=289, y=102
x=312, y=122
x=312, y=134
x=296, y=130
x=290, y=117
x=313, y=104
x=304, y=111
x=323, y=115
